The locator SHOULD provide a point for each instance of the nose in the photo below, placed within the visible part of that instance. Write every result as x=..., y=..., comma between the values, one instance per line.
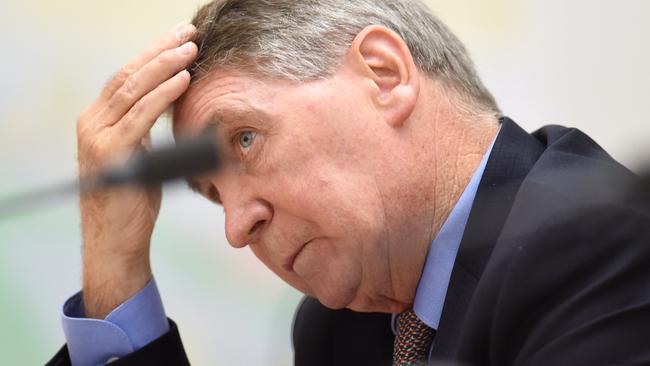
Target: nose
x=246, y=220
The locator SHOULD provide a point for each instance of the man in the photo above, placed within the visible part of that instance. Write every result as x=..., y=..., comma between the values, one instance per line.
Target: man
x=367, y=166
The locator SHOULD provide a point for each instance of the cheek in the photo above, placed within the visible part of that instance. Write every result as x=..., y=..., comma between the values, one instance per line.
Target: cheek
x=319, y=181
x=349, y=205
x=340, y=208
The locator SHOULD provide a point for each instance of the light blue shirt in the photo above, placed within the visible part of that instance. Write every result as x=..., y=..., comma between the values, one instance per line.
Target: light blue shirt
x=141, y=319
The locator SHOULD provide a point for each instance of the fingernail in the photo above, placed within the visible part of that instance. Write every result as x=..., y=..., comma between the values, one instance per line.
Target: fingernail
x=182, y=74
x=187, y=48
x=185, y=32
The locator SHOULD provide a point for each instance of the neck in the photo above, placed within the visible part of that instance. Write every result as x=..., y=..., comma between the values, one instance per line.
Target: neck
x=469, y=141
x=460, y=141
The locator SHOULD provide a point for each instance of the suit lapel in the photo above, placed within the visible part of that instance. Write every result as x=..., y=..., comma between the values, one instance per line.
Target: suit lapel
x=513, y=155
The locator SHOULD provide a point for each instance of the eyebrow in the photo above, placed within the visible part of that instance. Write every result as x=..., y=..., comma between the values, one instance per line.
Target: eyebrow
x=225, y=117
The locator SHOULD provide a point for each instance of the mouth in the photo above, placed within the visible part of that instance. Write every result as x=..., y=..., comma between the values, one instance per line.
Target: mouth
x=288, y=265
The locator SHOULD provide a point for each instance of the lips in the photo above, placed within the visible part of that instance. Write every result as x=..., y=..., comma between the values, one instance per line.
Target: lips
x=291, y=260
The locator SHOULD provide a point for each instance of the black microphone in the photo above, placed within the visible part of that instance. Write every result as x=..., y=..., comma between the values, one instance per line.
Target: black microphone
x=187, y=158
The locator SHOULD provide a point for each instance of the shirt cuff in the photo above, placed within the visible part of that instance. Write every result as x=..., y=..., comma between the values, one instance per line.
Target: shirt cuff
x=132, y=325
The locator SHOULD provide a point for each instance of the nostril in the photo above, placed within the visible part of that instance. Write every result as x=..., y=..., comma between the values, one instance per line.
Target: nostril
x=256, y=227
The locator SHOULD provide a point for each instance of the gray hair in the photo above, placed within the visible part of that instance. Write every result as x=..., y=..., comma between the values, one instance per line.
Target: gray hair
x=306, y=39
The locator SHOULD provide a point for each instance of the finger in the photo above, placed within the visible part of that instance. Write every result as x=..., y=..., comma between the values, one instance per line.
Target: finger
x=137, y=123
x=175, y=37
x=149, y=77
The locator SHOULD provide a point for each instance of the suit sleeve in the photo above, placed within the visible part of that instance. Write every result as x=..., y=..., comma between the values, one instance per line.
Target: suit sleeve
x=579, y=293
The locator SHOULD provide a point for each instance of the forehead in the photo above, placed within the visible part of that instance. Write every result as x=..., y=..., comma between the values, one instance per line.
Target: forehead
x=224, y=97
x=211, y=98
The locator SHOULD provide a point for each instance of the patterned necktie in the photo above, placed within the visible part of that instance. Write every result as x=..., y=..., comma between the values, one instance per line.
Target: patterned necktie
x=412, y=341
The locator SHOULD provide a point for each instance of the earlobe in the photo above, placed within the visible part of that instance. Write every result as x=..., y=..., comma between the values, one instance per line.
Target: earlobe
x=384, y=58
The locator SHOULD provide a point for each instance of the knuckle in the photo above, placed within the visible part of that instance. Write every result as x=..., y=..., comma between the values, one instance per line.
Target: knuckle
x=124, y=95
x=138, y=108
x=122, y=75
x=116, y=100
x=131, y=85
x=125, y=72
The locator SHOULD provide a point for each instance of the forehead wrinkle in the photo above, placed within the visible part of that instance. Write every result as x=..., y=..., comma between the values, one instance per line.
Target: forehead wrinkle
x=199, y=98
x=221, y=100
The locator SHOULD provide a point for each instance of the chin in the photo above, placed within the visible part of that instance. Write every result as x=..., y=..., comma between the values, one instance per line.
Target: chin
x=335, y=297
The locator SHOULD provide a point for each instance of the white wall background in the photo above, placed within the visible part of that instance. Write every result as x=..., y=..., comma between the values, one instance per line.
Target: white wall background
x=580, y=63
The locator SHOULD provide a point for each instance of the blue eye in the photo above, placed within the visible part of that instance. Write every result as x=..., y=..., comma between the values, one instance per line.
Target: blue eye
x=246, y=139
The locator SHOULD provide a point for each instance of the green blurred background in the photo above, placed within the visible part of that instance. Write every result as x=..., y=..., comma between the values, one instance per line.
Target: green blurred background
x=581, y=63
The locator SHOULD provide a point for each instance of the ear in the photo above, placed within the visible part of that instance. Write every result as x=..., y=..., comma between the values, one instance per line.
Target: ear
x=382, y=56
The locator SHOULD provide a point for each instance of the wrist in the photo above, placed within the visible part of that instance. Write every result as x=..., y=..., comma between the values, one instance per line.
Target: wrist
x=110, y=281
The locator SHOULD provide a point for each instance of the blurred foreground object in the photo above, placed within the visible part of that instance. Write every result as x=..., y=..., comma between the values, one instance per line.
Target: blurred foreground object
x=191, y=157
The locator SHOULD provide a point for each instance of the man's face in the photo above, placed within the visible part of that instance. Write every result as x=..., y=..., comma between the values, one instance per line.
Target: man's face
x=304, y=182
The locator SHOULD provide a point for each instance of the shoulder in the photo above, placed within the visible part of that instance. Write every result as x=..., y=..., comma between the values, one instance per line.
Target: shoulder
x=570, y=267
x=574, y=212
x=572, y=175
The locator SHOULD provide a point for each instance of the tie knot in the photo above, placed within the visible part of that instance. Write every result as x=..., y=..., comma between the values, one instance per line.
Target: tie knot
x=412, y=341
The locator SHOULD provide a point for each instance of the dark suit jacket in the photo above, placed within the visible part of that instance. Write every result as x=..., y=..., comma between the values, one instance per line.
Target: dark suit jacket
x=553, y=269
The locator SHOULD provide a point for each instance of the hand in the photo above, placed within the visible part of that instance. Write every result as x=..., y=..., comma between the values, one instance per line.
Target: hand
x=117, y=224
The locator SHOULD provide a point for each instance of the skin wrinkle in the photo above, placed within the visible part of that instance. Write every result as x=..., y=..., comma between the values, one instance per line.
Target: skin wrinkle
x=387, y=234
x=435, y=172
x=454, y=192
x=215, y=115
x=438, y=110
